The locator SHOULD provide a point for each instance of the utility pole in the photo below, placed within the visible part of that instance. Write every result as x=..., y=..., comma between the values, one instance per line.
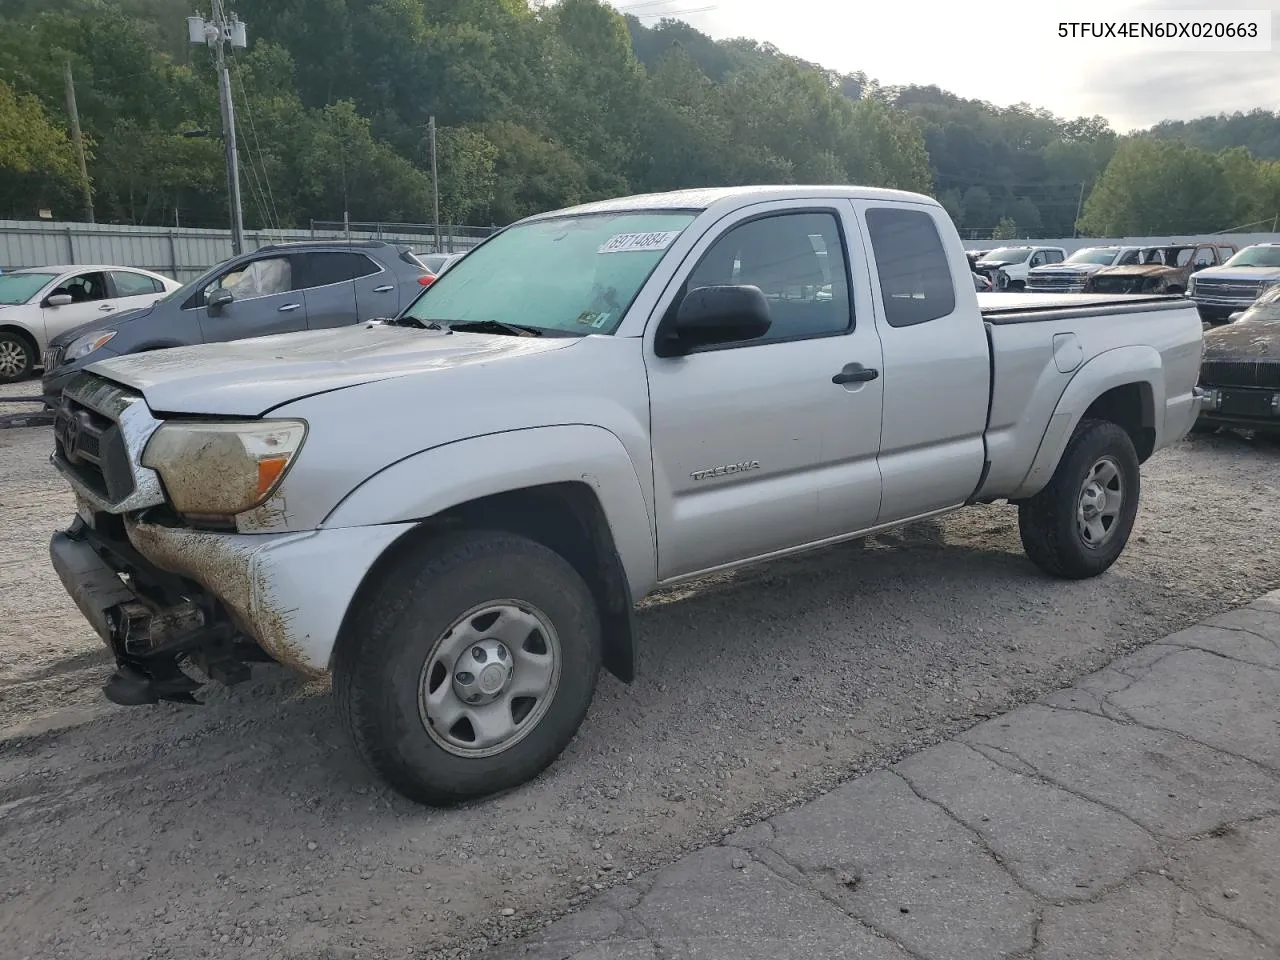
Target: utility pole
x=435, y=180
x=79, y=141
x=1075, y=227
x=217, y=32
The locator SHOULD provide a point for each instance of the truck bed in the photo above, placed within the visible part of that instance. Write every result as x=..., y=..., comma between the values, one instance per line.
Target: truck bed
x=1038, y=343
x=1002, y=308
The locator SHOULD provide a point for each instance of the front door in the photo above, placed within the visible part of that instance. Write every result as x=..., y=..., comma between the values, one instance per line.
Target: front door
x=755, y=448
x=264, y=301
x=90, y=300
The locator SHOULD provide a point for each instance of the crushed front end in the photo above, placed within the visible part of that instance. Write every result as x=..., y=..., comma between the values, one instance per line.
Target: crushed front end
x=180, y=554
x=154, y=621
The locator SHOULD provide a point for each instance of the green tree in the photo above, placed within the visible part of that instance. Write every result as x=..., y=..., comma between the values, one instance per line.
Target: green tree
x=1006, y=229
x=1153, y=187
x=37, y=159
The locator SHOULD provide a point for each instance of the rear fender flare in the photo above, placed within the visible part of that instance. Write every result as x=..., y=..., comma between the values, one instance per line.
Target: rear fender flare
x=1114, y=368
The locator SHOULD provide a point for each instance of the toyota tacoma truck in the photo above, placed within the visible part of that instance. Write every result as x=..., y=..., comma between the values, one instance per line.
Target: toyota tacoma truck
x=452, y=512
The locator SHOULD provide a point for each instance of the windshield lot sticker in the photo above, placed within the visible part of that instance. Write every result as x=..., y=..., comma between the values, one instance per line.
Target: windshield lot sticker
x=638, y=242
x=593, y=320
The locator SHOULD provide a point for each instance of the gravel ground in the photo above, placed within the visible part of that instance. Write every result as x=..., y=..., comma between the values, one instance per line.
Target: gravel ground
x=247, y=828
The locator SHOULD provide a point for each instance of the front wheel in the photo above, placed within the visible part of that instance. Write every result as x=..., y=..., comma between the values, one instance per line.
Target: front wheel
x=1079, y=524
x=470, y=668
x=17, y=358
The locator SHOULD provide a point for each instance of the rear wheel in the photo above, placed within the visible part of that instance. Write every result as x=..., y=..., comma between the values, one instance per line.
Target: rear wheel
x=1080, y=522
x=17, y=357
x=470, y=668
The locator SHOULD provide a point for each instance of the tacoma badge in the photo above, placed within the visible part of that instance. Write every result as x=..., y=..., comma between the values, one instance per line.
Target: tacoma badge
x=726, y=469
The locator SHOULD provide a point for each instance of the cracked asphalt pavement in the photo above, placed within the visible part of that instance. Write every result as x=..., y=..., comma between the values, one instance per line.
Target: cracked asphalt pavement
x=1133, y=816
x=246, y=827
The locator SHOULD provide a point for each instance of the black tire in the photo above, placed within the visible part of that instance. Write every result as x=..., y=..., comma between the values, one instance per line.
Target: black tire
x=1047, y=522
x=393, y=630
x=15, y=349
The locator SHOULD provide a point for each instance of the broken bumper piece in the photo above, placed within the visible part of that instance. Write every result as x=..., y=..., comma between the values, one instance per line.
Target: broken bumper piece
x=148, y=639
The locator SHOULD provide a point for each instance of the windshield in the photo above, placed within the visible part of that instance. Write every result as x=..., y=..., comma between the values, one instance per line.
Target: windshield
x=573, y=275
x=1266, y=307
x=16, y=288
x=1256, y=257
x=1102, y=255
x=1009, y=254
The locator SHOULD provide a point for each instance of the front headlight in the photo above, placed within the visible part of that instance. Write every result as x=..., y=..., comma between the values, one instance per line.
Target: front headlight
x=83, y=346
x=1191, y=285
x=222, y=469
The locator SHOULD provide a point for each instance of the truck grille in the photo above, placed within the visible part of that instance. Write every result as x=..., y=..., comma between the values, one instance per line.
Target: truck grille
x=53, y=359
x=1242, y=290
x=1120, y=284
x=1056, y=281
x=90, y=445
x=1238, y=373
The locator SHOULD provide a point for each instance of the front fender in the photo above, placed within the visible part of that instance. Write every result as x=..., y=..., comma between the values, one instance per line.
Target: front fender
x=1113, y=368
x=432, y=481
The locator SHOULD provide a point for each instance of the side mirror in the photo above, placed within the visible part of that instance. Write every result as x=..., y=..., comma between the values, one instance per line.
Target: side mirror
x=724, y=314
x=58, y=300
x=219, y=299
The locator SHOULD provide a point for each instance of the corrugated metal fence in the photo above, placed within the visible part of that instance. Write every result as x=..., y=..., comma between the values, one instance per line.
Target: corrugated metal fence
x=184, y=252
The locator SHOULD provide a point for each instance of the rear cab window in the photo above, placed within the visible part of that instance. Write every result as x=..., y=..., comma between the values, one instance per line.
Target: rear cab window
x=915, y=279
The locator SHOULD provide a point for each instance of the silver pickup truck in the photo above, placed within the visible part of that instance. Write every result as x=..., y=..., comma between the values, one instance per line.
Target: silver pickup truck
x=453, y=511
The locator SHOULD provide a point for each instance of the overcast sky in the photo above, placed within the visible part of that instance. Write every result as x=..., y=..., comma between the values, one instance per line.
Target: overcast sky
x=1003, y=53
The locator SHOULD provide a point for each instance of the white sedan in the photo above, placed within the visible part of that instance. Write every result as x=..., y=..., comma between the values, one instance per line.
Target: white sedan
x=38, y=303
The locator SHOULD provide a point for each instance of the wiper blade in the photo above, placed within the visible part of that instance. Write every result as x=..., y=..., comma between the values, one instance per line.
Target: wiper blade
x=515, y=329
x=410, y=322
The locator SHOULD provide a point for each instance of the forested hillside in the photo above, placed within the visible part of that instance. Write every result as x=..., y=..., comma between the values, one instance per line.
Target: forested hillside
x=538, y=108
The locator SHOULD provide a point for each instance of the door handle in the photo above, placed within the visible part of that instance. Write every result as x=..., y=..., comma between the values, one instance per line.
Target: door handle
x=855, y=373
x=385, y=288
x=106, y=307
x=289, y=306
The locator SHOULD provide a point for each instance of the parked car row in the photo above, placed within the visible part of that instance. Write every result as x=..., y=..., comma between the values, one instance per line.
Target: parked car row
x=41, y=303
x=63, y=318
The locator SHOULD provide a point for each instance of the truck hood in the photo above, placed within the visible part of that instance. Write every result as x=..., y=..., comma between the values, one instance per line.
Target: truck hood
x=1140, y=270
x=1067, y=268
x=1246, y=340
x=1239, y=273
x=249, y=377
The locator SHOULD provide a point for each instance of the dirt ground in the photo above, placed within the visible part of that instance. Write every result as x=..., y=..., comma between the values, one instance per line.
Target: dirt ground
x=247, y=828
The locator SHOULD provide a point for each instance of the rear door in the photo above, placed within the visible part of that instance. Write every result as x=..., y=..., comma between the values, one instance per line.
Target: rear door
x=377, y=290
x=936, y=361
x=325, y=279
x=134, y=290
x=755, y=448
x=265, y=301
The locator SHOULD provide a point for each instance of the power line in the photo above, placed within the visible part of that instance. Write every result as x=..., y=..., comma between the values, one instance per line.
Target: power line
x=257, y=143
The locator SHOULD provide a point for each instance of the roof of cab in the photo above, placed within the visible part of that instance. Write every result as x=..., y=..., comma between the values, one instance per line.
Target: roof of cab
x=728, y=198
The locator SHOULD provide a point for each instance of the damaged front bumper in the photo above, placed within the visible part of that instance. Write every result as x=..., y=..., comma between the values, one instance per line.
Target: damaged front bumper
x=160, y=596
